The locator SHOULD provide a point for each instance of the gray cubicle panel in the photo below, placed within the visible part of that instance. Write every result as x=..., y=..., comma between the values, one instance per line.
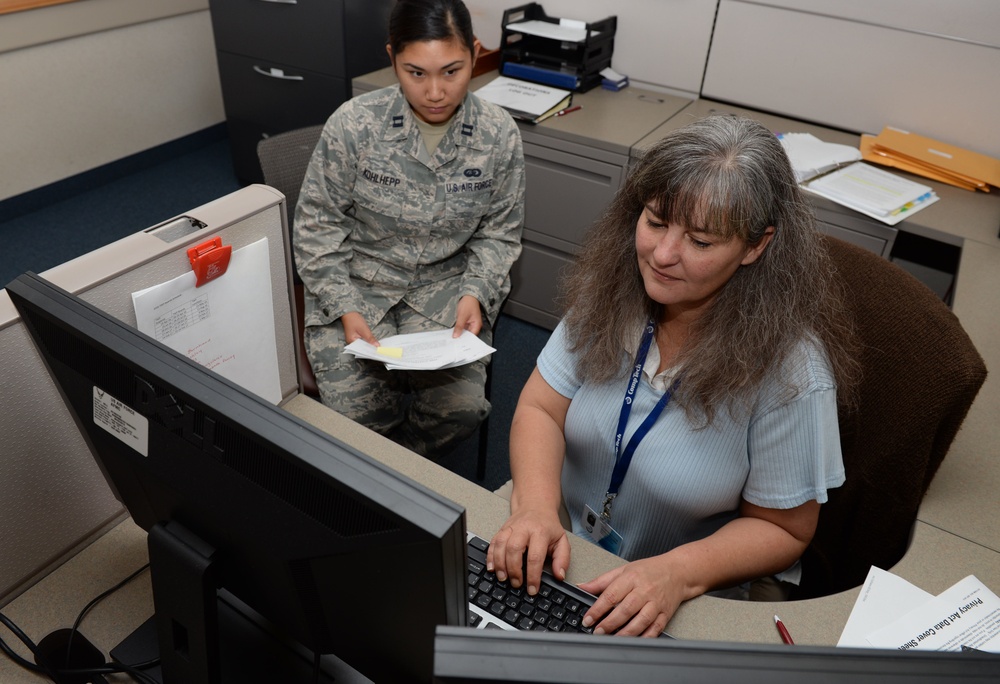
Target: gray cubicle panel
x=53, y=498
x=859, y=66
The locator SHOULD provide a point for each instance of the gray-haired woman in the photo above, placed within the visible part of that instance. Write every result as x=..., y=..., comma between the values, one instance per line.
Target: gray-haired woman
x=684, y=412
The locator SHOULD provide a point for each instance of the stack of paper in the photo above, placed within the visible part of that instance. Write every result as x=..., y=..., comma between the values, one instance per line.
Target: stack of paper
x=423, y=351
x=526, y=101
x=567, y=30
x=811, y=157
x=612, y=80
x=874, y=192
x=931, y=159
x=892, y=613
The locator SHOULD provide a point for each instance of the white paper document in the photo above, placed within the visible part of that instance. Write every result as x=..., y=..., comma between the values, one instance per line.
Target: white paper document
x=423, y=351
x=967, y=614
x=524, y=99
x=568, y=30
x=226, y=325
x=873, y=192
x=884, y=598
x=811, y=156
x=892, y=613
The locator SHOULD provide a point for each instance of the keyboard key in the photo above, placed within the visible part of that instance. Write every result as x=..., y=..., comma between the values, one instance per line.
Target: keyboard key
x=479, y=543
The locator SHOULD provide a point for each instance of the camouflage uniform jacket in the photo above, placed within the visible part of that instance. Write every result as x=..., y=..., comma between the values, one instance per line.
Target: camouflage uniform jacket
x=380, y=221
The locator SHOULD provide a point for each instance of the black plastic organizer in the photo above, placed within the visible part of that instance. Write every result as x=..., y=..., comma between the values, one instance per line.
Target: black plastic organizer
x=571, y=65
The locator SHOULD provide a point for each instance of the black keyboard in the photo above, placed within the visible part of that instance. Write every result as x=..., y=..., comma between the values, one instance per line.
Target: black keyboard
x=557, y=607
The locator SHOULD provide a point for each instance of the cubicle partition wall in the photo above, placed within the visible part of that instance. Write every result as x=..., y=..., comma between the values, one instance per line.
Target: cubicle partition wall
x=53, y=498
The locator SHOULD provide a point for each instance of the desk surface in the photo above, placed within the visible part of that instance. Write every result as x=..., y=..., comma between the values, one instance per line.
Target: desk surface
x=935, y=561
x=956, y=534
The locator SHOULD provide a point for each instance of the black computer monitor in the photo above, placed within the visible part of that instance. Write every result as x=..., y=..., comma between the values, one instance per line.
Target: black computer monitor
x=470, y=656
x=269, y=540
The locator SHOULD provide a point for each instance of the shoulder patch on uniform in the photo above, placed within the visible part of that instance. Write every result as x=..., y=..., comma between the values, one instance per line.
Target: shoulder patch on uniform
x=467, y=129
x=397, y=121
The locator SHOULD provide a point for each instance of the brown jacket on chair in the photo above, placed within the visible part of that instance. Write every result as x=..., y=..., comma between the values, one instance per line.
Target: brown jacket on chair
x=921, y=373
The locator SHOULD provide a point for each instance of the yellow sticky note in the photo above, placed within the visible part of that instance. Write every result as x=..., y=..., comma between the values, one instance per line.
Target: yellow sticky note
x=394, y=352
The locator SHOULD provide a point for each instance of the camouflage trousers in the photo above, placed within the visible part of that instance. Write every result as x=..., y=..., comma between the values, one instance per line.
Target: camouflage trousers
x=428, y=412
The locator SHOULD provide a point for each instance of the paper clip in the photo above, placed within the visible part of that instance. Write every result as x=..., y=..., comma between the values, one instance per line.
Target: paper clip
x=209, y=260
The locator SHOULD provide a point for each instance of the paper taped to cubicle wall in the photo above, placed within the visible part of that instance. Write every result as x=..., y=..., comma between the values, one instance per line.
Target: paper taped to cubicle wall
x=226, y=325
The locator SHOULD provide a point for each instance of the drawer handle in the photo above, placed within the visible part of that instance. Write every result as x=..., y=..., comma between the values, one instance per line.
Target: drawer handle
x=276, y=73
x=283, y=2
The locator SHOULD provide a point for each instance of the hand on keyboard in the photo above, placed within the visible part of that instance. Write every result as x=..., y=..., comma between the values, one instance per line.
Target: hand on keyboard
x=556, y=606
x=638, y=598
x=519, y=551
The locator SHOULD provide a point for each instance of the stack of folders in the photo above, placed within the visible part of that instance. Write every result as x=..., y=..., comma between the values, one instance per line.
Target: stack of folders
x=526, y=101
x=931, y=159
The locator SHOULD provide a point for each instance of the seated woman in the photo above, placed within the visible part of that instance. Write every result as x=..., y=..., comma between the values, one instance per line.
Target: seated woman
x=409, y=220
x=685, y=409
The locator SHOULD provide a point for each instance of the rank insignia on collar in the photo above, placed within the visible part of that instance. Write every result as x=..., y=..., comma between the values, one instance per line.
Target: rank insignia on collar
x=397, y=121
x=467, y=129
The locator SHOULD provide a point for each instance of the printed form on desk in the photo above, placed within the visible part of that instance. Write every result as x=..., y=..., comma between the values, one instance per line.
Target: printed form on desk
x=873, y=192
x=892, y=613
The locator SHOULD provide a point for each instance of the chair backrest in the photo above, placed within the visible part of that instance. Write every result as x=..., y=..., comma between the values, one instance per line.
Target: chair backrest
x=921, y=373
x=284, y=159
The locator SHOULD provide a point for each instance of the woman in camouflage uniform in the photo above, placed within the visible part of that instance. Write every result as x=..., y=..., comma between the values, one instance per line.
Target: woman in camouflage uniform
x=409, y=220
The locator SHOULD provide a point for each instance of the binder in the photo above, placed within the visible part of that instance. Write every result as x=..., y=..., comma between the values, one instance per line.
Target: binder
x=526, y=101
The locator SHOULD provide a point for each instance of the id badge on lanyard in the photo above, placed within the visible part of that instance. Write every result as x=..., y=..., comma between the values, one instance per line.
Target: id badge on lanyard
x=598, y=526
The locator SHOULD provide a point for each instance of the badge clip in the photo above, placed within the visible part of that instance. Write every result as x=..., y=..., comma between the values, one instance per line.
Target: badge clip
x=209, y=260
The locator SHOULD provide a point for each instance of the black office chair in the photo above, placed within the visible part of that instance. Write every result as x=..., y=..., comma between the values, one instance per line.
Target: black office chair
x=284, y=159
x=921, y=373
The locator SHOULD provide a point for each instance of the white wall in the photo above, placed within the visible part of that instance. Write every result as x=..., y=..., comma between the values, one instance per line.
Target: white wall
x=79, y=102
x=929, y=66
x=89, y=82
x=932, y=66
x=662, y=44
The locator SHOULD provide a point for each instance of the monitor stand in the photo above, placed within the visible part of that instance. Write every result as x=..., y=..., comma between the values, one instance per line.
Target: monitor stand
x=212, y=637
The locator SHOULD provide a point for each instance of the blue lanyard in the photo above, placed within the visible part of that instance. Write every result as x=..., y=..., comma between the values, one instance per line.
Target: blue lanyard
x=624, y=458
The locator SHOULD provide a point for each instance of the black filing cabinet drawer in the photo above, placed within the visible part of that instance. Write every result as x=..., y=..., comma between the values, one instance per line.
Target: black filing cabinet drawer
x=285, y=64
x=280, y=96
x=260, y=102
x=305, y=33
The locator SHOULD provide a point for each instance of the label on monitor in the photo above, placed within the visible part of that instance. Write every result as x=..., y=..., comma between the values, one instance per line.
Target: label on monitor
x=121, y=421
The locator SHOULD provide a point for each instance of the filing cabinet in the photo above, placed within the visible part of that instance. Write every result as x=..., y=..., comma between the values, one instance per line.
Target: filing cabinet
x=285, y=64
x=565, y=194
